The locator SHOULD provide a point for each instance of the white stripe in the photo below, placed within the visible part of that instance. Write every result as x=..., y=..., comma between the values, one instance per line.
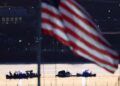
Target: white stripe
x=82, y=23
x=91, y=59
x=52, y=19
x=86, y=27
x=87, y=38
x=47, y=26
x=79, y=22
x=81, y=9
x=74, y=9
x=91, y=51
x=61, y=34
x=50, y=8
x=55, y=30
x=90, y=20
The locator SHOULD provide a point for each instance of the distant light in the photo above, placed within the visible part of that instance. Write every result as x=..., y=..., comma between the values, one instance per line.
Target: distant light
x=19, y=41
x=119, y=5
x=98, y=26
x=32, y=7
x=62, y=50
x=28, y=44
x=109, y=11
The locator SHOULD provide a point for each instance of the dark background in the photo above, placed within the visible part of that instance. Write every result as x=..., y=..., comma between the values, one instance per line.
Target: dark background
x=18, y=28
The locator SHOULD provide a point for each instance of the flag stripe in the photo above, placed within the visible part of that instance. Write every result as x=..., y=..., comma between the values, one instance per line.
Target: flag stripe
x=48, y=32
x=85, y=55
x=92, y=43
x=51, y=12
x=79, y=45
x=90, y=34
x=84, y=23
x=80, y=15
x=96, y=44
x=104, y=52
x=72, y=26
x=87, y=36
x=53, y=25
x=57, y=31
x=51, y=21
x=87, y=17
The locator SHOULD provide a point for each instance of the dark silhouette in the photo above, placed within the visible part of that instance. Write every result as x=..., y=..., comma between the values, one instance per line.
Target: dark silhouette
x=20, y=75
x=63, y=73
x=86, y=73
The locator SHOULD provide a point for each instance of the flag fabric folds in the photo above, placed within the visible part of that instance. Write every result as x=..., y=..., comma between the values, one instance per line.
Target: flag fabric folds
x=52, y=22
x=69, y=23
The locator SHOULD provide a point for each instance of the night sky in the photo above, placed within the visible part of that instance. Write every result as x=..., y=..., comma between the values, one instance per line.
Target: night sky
x=18, y=33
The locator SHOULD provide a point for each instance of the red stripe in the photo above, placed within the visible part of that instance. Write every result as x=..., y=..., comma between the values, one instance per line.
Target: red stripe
x=72, y=12
x=61, y=17
x=91, y=55
x=47, y=32
x=109, y=70
x=56, y=36
x=51, y=13
x=83, y=30
x=91, y=45
x=94, y=62
x=53, y=24
x=82, y=10
x=51, y=33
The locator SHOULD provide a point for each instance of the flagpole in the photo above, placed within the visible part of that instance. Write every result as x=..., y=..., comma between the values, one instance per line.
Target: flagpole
x=38, y=41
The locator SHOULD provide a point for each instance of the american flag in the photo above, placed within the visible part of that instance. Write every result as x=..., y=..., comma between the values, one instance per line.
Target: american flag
x=69, y=23
x=52, y=22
